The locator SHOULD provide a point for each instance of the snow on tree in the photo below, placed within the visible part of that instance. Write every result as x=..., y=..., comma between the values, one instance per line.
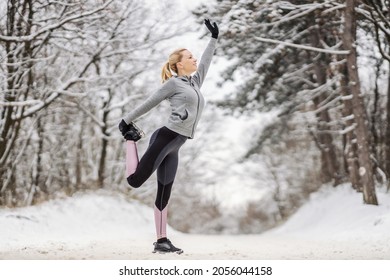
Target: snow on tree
x=65, y=76
x=296, y=56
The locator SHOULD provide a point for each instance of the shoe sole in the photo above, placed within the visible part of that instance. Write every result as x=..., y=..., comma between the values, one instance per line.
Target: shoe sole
x=167, y=252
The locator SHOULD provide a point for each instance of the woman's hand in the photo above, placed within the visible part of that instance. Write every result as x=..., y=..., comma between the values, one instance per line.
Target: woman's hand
x=213, y=28
x=123, y=127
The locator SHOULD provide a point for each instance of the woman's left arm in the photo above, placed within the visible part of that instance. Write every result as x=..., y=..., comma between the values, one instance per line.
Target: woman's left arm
x=207, y=55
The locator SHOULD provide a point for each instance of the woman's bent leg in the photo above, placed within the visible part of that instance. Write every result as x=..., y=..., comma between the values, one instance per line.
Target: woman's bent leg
x=162, y=142
x=131, y=158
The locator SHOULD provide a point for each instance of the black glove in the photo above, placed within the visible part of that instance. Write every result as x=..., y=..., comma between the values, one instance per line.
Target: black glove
x=213, y=28
x=123, y=127
x=130, y=131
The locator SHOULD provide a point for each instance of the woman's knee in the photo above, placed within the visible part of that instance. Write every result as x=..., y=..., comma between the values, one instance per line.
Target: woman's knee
x=133, y=182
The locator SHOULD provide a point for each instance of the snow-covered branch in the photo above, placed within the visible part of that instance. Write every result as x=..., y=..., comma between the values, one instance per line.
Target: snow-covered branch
x=377, y=18
x=27, y=61
x=334, y=8
x=124, y=102
x=330, y=51
x=297, y=10
x=53, y=26
x=20, y=103
x=328, y=105
x=348, y=129
x=95, y=119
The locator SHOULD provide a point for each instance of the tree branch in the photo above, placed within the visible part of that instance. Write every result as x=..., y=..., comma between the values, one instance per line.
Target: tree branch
x=51, y=27
x=266, y=40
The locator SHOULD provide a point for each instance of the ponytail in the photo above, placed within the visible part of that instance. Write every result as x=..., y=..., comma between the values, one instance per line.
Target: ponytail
x=170, y=66
x=166, y=72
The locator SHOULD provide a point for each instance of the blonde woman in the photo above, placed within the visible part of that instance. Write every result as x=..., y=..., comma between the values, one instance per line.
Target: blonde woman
x=182, y=90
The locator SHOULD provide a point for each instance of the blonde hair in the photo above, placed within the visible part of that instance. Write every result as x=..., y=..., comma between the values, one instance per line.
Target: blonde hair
x=170, y=66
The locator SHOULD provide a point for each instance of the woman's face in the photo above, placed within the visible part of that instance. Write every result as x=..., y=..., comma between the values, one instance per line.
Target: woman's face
x=187, y=65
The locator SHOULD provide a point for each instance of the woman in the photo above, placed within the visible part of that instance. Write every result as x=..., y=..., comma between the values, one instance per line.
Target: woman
x=183, y=93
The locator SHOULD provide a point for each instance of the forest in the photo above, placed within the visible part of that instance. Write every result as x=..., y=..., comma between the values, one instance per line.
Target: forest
x=301, y=100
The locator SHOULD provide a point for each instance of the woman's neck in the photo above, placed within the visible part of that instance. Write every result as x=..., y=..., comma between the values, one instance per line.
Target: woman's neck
x=184, y=74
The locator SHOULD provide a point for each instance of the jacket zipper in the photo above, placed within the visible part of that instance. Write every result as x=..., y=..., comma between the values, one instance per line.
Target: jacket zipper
x=197, y=112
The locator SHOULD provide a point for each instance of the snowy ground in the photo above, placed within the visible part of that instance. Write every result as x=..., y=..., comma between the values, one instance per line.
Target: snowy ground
x=334, y=224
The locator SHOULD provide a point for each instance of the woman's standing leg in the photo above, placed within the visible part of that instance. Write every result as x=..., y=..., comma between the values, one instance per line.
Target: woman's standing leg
x=166, y=173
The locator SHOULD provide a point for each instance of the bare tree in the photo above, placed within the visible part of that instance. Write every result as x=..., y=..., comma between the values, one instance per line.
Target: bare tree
x=66, y=74
x=377, y=16
x=358, y=107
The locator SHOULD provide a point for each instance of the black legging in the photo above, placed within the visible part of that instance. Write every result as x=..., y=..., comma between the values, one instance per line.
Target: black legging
x=163, y=155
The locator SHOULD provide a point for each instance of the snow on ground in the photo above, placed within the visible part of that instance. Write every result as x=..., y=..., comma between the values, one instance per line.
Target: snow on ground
x=334, y=224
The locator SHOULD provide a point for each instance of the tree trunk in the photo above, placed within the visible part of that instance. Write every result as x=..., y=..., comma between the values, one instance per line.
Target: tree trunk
x=387, y=134
x=19, y=78
x=350, y=146
x=38, y=183
x=79, y=153
x=329, y=163
x=360, y=117
x=8, y=126
x=103, y=152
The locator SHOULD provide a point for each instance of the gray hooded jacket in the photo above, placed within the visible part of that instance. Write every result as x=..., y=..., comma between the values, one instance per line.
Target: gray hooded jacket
x=184, y=96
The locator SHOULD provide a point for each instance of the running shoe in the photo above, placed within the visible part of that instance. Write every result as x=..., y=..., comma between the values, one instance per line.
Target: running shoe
x=166, y=247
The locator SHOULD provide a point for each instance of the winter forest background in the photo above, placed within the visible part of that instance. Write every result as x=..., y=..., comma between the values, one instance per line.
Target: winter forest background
x=298, y=97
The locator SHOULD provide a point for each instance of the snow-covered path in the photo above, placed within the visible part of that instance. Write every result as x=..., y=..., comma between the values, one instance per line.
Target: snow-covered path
x=332, y=225
x=214, y=247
